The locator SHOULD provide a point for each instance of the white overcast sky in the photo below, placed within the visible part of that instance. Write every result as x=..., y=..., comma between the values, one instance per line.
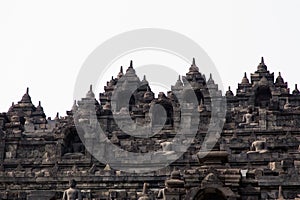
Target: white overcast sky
x=44, y=43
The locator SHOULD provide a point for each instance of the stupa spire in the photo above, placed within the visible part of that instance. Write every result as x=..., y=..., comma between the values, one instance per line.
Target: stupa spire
x=39, y=107
x=262, y=67
x=179, y=82
x=279, y=79
x=245, y=80
x=193, y=67
x=296, y=91
x=210, y=80
x=26, y=98
x=57, y=116
x=144, y=81
x=229, y=92
x=74, y=107
x=262, y=60
x=120, y=74
x=90, y=93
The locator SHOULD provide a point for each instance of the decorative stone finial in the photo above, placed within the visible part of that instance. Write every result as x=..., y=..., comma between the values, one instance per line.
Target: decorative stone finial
x=144, y=81
x=279, y=79
x=245, y=80
x=39, y=107
x=26, y=98
x=120, y=74
x=229, y=93
x=262, y=67
x=90, y=93
x=210, y=80
x=296, y=91
x=74, y=107
x=11, y=107
x=57, y=116
x=193, y=67
x=130, y=70
x=179, y=82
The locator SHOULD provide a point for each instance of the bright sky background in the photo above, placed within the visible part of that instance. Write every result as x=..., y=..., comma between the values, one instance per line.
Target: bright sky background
x=44, y=43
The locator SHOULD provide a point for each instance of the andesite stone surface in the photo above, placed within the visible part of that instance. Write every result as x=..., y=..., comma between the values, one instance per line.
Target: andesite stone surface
x=256, y=157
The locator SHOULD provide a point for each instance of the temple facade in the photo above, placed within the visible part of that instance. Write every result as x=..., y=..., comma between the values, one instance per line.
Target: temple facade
x=255, y=154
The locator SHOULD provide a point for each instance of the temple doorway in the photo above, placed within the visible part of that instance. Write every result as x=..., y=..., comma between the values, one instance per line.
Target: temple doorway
x=72, y=143
x=189, y=96
x=210, y=194
x=262, y=97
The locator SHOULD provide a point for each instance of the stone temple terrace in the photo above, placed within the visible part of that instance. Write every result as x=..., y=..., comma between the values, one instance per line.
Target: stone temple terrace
x=256, y=156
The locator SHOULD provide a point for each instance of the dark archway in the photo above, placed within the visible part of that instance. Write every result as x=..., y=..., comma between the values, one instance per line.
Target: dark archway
x=132, y=102
x=121, y=100
x=72, y=142
x=169, y=109
x=263, y=96
x=189, y=95
x=158, y=118
x=210, y=194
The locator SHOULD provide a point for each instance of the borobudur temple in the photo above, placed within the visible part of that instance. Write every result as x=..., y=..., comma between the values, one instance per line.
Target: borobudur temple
x=255, y=155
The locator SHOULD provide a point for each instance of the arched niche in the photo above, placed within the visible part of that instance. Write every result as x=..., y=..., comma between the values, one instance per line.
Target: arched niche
x=124, y=99
x=131, y=102
x=210, y=194
x=263, y=96
x=72, y=143
x=158, y=118
x=211, y=191
x=189, y=96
